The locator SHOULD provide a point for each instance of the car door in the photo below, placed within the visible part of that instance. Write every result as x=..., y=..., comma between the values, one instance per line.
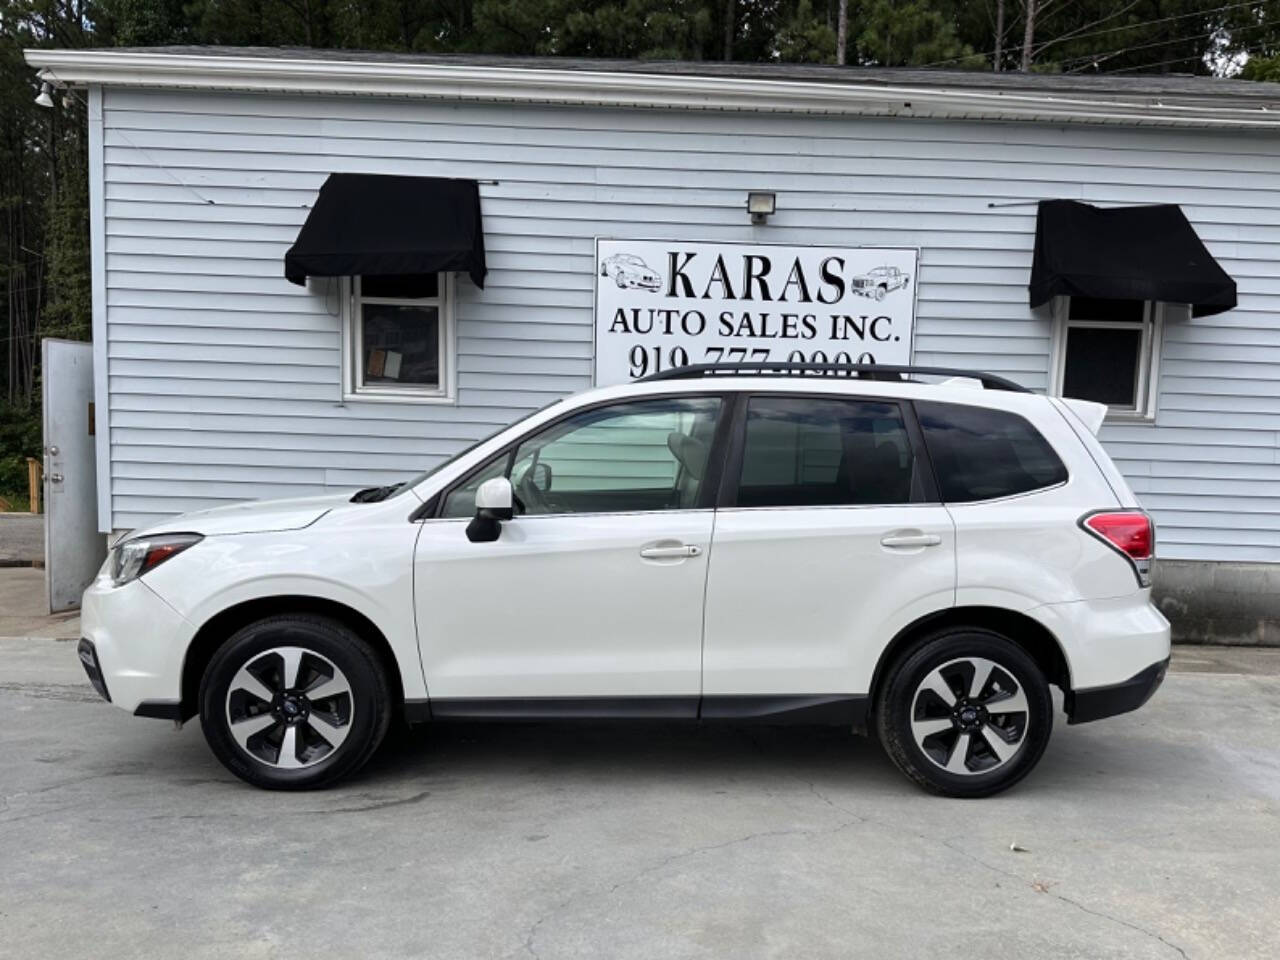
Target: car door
x=829, y=540
x=591, y=598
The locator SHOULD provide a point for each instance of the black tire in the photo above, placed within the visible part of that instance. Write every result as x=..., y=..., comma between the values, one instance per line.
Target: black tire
x=366, y=704
x=904, y=710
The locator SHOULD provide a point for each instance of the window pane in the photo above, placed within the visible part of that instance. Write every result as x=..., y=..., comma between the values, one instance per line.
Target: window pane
x=1102, y=365
x=815, y=452
x=401, y=345
x=1086, y=308
x=980, y=454
x=406, y=287
x=645, y=455
x=461, y=501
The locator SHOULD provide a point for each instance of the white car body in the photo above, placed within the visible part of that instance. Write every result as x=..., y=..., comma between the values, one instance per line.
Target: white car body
x=775, y=606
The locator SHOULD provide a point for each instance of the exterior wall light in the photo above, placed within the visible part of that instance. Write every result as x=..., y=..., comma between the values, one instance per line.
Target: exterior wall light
x=45, y=98
x=761, y=206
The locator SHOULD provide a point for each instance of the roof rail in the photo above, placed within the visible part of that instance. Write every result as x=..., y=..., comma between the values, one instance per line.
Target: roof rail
x=867, y=371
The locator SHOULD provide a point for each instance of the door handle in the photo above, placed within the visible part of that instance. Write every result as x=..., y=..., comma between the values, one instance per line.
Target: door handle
x=670, y=552
x=910, y=540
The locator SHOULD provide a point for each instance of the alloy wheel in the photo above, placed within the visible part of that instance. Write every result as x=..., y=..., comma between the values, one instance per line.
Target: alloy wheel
x=969, y=716
x=289, y=707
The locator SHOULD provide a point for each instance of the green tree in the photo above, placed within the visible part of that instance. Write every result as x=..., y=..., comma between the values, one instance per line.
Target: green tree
x=806, y=35
x=1262, y=68
x=893, y=33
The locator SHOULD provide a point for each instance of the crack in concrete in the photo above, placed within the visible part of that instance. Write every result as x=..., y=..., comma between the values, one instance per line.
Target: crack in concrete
x=999, y=870
x=333, y=811
x=52, y=691
x=532, y=934
x=1046, y=889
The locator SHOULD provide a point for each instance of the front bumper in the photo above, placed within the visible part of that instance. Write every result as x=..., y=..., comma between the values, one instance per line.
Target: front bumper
x=1095, y=703
x=137, y=641
x=89, y=660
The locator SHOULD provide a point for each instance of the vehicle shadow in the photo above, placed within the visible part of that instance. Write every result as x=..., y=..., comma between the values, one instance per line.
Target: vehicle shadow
x=619, y=750
x=1078, y=760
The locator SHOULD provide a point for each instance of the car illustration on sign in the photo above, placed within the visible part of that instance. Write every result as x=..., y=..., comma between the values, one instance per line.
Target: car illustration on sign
x=629, y=271
x=878, y=281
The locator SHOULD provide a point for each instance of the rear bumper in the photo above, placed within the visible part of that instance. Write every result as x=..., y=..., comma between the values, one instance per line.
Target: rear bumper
x=1107, y=641
x=1095, y=703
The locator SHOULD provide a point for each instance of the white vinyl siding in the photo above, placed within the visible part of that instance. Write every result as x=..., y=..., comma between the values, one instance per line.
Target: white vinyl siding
x=225, y=381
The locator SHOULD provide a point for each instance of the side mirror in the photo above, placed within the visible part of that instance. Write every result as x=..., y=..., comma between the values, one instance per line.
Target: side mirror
x=493, y=505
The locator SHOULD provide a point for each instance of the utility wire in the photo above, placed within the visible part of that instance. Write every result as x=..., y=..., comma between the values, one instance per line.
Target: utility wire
x=1093, y=59
x=1164, y=63
x=1131, y=26
x=1150, y=23
x=1080, y=31
x=71, y=92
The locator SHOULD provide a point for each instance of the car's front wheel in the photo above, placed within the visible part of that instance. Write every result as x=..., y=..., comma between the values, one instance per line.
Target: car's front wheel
x=294, y=702
x=965, y=713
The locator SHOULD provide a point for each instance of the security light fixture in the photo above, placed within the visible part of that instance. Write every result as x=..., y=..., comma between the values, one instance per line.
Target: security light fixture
x=45, y=98
x=761, y=206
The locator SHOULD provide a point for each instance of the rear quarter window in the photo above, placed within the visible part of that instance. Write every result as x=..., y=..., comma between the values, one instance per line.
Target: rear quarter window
x=981, y=454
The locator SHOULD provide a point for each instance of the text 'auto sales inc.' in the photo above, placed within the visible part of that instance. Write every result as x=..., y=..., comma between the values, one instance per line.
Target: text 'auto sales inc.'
x=320, y=270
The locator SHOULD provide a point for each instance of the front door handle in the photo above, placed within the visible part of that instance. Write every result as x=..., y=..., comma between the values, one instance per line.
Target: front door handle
x=670, y=552
x=910, y=540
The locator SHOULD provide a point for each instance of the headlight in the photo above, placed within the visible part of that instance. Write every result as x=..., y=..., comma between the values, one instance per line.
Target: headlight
x=130, y=559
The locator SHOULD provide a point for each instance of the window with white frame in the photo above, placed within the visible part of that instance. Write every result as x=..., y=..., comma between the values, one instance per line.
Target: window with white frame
x=398, y=342
x=1108, y=351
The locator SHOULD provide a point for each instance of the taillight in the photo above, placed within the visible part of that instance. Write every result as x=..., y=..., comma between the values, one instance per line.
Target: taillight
x=1129, y=532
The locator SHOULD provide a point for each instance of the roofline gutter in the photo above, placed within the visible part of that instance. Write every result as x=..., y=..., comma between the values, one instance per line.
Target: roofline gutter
x=465, y=82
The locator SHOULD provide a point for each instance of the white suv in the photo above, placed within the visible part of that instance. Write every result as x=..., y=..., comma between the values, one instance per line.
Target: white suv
x=858, y=548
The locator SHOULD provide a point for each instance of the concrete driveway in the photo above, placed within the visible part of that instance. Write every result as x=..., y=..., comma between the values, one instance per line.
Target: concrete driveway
x=1153, y=835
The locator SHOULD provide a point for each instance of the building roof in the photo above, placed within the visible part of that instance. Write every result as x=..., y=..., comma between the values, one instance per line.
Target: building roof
x=1144, y=99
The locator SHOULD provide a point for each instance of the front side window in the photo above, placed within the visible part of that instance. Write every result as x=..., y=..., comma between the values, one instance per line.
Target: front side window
x=982, y=454
x=1108, y=351
x=625, y=458
x=811, y=452
x=398, y=338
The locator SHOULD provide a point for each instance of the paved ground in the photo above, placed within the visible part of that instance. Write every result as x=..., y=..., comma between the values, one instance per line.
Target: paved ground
x=21, y=538
x=24, y=607
x=1153, y=835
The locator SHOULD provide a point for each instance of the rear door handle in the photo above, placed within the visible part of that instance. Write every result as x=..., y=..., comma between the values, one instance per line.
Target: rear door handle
x=910, y=540
x=672, y=552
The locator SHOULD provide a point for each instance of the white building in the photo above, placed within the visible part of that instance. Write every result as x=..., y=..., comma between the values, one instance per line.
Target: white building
x=216, y=379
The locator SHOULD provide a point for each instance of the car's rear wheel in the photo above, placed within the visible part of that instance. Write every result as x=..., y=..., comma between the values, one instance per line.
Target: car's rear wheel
x=965, y=713
x=294, y=702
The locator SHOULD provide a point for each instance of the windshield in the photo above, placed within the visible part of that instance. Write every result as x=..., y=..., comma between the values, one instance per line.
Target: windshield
x=412, y=482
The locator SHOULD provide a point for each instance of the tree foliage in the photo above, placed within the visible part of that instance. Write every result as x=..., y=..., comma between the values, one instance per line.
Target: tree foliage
x=44, y=260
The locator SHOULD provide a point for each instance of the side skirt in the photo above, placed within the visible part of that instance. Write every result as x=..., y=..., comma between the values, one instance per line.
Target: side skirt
x=843, y=710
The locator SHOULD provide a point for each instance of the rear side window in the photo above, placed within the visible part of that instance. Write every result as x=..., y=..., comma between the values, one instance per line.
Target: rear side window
x=810, y=452
x=981, y=454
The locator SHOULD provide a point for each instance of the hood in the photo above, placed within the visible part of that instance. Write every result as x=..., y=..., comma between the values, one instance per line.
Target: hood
x=255, y=516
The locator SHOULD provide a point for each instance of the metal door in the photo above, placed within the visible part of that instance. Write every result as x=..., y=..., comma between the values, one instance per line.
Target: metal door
x=73, y=547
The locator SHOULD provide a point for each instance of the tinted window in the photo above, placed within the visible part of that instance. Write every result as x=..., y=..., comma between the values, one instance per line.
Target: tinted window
x=800, y=451
x=642, y=455
x=1102, y=365
x=981, y=454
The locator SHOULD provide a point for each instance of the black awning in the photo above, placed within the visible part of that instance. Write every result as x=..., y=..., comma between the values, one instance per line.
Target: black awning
x=389, y=226
x=1125, y=253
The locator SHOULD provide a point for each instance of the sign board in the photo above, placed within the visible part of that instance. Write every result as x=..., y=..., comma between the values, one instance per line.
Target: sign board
x=665, y=303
